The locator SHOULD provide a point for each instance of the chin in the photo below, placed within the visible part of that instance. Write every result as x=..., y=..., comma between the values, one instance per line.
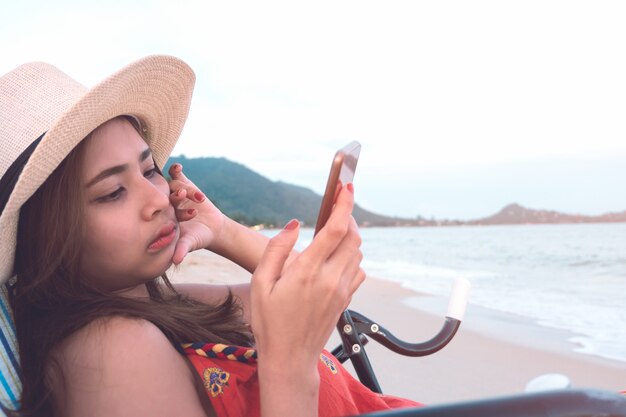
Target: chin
x=162, y=260
x=161, y=267
x=163, y=271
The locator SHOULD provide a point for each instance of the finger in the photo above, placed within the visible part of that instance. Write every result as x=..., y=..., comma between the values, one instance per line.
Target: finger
x=276, y=253
x=178, y=195
x=185, y=214
x=347, y=271
x=176, y=173
x=181, y=203
x=179, y=179
x=354, y=277
x=359, y=279
x=345, y=262
x=191, y=191
x=183, y=246
x=175, y=170
x=350, y=242
x=357, y=272
x=347, y=304
x=335, y=229
x=354, y=281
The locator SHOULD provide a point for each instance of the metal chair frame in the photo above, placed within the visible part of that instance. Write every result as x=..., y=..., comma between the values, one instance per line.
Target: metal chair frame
x=355, y=331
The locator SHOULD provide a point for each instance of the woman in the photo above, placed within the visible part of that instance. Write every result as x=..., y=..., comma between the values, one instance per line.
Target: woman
x=92, y=226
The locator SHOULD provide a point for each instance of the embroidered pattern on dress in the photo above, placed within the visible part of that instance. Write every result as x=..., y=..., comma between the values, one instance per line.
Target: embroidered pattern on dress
x=220, y=351
x=215, y=379
x=329, y=363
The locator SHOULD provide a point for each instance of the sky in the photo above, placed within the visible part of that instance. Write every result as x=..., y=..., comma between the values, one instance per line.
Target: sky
x=461, y=107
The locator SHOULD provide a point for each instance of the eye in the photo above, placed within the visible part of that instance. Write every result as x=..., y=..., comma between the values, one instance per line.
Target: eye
x=111, y=197
x=151, y=172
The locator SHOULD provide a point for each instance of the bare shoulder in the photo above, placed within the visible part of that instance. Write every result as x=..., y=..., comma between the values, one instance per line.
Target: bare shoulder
x=111, y=336
x=123, y=366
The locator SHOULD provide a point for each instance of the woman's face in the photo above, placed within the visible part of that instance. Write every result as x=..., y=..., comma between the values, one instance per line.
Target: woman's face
x=131, y=227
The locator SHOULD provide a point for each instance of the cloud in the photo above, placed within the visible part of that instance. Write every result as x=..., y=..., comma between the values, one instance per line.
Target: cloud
x=424, y=86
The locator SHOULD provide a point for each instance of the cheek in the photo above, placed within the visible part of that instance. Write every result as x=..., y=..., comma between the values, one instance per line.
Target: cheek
x=109, y=238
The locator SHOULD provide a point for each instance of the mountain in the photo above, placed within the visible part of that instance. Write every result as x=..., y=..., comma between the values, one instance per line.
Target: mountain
x=252, y=199
x=516, y=214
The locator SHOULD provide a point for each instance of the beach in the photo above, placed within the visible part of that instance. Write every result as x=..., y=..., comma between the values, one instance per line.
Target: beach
x=493, y=353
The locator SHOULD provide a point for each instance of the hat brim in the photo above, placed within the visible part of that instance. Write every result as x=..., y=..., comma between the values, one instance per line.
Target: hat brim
x=157, y=90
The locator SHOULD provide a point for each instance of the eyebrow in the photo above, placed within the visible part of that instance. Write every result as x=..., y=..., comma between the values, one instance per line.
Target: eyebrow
x=117, y=169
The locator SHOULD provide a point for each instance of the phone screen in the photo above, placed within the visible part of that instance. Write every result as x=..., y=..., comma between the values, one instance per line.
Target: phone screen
x=341, y=172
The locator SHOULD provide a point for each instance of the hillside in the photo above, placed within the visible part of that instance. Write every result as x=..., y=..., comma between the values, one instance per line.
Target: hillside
x=252, y=199
x=516, y=214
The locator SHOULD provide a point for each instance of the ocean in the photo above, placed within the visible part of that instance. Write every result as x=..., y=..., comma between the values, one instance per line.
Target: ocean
x=570, y=277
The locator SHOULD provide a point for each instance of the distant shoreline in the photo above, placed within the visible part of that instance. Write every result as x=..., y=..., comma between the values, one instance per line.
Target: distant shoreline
x=514, y=214
x=510, y=215
x=468, y=224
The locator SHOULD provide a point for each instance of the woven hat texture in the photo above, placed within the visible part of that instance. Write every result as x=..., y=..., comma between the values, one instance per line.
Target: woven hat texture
x=37, y=98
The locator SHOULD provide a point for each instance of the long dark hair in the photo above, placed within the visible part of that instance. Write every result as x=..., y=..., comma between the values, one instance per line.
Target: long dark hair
x=51, y=301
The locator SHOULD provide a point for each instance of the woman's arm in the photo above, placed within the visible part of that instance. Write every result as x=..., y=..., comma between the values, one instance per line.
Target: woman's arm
x=206, y=227
x=295, y=299
x=240, y=244
x=295, y=307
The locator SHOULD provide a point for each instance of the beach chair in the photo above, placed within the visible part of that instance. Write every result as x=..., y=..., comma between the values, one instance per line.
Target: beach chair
x=557, y=403
x=355, y=330
x=563, y=403
x=9, y=367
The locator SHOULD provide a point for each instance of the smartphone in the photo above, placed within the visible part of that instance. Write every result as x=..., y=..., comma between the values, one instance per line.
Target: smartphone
x=341, y=172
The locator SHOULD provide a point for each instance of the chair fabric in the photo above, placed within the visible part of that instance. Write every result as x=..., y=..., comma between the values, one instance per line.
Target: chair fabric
x=10, y=384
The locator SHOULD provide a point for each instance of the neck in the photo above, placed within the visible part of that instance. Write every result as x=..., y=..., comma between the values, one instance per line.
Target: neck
x=139, y=291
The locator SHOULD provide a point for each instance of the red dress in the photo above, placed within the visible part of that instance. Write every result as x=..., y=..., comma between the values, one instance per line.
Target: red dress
x=230, y=378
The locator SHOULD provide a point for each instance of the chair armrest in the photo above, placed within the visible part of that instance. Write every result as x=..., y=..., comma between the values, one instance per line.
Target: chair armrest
x=558, y=403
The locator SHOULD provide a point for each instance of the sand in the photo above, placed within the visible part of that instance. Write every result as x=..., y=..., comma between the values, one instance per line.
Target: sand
x=493, y=353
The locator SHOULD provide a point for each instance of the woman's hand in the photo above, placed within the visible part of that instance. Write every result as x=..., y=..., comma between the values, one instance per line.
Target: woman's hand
x=201, y=223
x=295, y=307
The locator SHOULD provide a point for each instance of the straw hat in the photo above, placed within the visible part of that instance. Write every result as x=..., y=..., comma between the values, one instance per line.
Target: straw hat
x=37, y=98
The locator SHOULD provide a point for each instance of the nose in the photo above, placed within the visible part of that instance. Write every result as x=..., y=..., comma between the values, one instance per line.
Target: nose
x=155, y=198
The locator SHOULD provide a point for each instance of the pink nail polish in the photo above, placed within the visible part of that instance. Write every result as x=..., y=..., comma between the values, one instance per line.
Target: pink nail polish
x=199, y=196
x=191, y=211
x=350, y=187
x=293, y=224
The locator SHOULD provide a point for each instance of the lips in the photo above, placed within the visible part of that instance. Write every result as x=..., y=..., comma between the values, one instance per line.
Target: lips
x=164, y=237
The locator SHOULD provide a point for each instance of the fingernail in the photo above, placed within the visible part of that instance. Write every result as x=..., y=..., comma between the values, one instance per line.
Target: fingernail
x=293, y=224
x=199, y=196
x=179, y=167
x=179, y=192
x=191, y=211
x=350, y=187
